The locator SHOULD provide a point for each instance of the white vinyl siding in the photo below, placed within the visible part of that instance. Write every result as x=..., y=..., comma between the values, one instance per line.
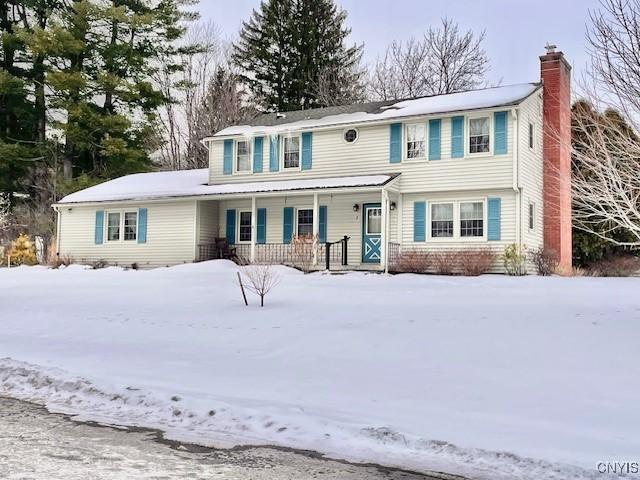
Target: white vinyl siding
x=370, y=154
x=171, y=230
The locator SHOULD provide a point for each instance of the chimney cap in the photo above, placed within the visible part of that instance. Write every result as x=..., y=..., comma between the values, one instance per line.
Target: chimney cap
x=551, y=47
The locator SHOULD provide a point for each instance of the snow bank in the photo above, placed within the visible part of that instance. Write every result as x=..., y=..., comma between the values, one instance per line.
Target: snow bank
x=186, y=183
x=489, y=377
x=453, y=102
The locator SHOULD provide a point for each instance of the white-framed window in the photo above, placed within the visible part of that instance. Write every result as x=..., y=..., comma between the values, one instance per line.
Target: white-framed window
x=532, y=215
x=244, y=226
x=122, y=225
x=442, y=220
x=304, y=222
x=243, y=156
x=113, y=226
x=479, y=135
x=531, y=138
x=416, y=145
x=130, y=225
x=471, y=219
x=291, y=152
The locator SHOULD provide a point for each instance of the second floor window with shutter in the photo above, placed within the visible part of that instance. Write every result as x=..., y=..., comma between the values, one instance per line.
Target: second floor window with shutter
x=243, y=156
x=292, y=152
x=416, y=140
x=479, y=135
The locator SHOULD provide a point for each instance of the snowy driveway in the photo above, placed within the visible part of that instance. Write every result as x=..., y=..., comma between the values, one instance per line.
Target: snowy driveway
x=37, y=445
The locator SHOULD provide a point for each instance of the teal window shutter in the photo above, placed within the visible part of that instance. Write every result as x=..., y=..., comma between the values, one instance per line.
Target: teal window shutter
x=457, y=137
x=395, y=143
x=500, y=133
x=306, y=150
x=142, y=225
x=261, y=225
x=287, y=225
x=322, y=224
x=434, y=139
x=419, y=221
x=227, y=167
x=274, y=158
x=99, y=231
x=257, y=154
x=493, y=215
x=231, y=226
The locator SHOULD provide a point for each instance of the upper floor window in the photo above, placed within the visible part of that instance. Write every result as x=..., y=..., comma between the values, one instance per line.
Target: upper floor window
x=532, y=216
x=531, y=135
x=243, y=156
x=479, y=135
x=416, y=140
x=350, y=135
x=442, y=220
x=471, y=219
x=292, y=152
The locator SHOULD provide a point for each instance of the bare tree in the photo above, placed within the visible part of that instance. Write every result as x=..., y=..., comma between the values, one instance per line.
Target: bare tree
x=340, y=87
x=445, y=60
x=206, y=97
x=260, y=279
x=605, y=144
x=605, y=180
x=614, y=46
x=4, y=213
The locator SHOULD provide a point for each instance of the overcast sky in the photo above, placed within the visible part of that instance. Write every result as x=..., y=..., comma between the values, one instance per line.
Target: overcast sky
x=516, y=30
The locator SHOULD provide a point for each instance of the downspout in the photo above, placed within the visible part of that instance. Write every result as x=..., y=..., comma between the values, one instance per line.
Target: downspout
x=58, y=224
x=516, y=175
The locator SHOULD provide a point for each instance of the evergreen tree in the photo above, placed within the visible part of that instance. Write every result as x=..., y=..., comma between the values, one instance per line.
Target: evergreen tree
x=292, y=54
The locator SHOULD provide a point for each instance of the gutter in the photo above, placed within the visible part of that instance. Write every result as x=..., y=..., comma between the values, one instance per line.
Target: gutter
x=516, y=174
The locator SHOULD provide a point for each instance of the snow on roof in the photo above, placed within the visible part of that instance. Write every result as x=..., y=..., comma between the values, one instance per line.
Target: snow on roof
x=380, y=111
x=188, y=183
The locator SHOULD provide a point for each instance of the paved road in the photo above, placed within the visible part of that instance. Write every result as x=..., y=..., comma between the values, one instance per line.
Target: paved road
x=35, y=444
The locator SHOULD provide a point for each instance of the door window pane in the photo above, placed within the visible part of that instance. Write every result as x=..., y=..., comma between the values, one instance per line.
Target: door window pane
x=442, y=220
x=479, y=135
x=130, y=225
x=243, y=159
x=374, y=221
x=471, y=219
x=305, y=222
x=245, y=227
x=113, y=226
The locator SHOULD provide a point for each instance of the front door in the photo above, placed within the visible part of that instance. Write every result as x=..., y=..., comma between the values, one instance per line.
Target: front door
x=371, y=229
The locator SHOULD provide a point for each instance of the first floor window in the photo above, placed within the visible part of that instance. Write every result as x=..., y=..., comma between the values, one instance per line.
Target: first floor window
x=291, y=152
x=245, y=227
x=416, y=140
x=243, y=159
x=305, y=222
x=442, y=220
x=471, y=219
x=532, y=216
x=113, y=226
x=479, y=135
x=130, y=225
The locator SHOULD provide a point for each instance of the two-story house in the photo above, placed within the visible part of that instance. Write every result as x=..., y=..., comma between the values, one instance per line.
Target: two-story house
x=483, y=168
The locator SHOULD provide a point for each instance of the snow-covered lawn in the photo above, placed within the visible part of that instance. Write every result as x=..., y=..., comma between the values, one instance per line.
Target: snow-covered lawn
x=425, y=372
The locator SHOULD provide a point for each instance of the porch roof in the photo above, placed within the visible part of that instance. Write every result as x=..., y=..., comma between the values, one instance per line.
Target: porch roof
x=193, y=183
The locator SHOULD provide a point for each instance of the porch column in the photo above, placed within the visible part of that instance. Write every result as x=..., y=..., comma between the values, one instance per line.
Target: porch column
x=316, y=227
x=254, y=229
x=384, y=203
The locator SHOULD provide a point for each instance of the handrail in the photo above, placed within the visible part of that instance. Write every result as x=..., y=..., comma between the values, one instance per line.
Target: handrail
x=344, y=240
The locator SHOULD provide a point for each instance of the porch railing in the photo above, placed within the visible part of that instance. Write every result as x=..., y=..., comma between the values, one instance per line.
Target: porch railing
x=393, y=252
x=300, y=256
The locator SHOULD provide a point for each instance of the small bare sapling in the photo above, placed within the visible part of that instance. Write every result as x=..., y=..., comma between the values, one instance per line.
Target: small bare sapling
x=260, y=279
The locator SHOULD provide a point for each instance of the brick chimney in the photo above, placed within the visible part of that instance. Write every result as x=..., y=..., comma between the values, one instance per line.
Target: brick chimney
x=555, y=73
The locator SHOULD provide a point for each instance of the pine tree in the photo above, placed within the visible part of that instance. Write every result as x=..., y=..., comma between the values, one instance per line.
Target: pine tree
x=292, y=54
